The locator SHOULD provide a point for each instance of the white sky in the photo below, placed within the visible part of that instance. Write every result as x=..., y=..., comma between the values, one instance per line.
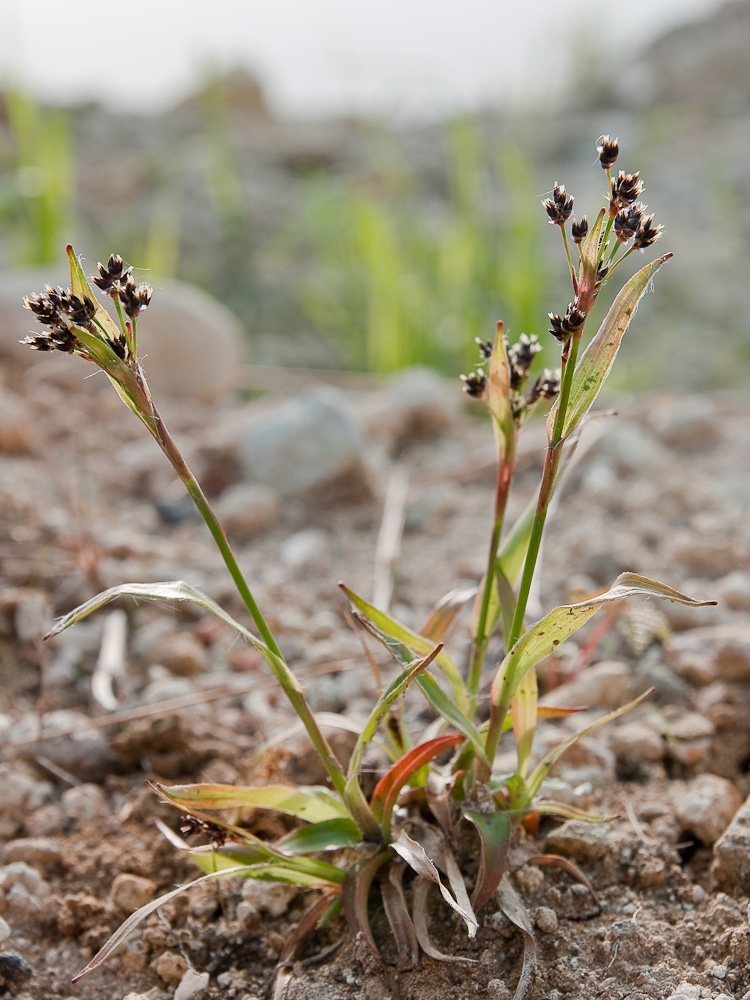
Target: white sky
x=315, y=57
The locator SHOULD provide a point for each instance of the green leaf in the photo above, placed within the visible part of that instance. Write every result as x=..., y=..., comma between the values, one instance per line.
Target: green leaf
x=328, y=835
x=597, y=360
x=311, y=806
x=444, y=613
x=386, y=791
x=446, y=708
x=590, y=255
x=383, y=707
x=394, y=631
x=498, y=398
x=523, y=709
x=541, y=638
x=494, y=831
x=80, y=287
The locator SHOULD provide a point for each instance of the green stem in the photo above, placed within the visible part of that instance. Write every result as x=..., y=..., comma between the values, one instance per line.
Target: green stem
x=481, y=634
x=276, y=661
x=551, y=463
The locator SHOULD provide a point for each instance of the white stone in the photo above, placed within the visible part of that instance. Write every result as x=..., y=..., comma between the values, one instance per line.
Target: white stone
x=191, y=985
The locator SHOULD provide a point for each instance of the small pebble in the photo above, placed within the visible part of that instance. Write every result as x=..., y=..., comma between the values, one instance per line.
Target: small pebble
x=170, y=966
x=545, y=919
x=191, y=985
x=579, y=841
x=705, y=806
x=84, y=802
x=41, y=852
x=129, y=892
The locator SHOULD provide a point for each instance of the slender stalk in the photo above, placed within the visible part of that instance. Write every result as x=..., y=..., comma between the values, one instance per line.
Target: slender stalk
x=481, y=636
x=551, y=463
x=276, y=661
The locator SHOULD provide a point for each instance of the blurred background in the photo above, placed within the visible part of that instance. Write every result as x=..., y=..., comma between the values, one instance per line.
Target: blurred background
x=361, y=184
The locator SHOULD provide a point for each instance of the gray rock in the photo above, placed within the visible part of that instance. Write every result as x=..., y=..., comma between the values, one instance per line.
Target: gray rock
x=580, y=841
x=308, y=445
x=734, y=591
x=717, y=651
x=630, y=448
x=84, y=802
x=636, y=741
x=181, y=653
x=606, y=685
x=305, y=549
x=40, y=852
x=20, y=792
x=731, y=865
x=415, y=403
x=5, y=930
x=129, y=892
x=705, y=806
x=246, y=509
x=690, y=423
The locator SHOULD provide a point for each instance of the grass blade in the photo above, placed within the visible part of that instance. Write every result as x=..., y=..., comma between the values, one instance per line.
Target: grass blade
x=416, y=643
x=305, y=805
x=597, y=360
x=494, y=831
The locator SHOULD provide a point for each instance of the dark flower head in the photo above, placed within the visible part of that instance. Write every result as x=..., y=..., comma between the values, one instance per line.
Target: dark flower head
x=647, y=233
x=520, y=356
x=563, y=327
x=608, y=150
x=547, y=386
x=626, y=188
x=474, y=383
x=559, y=207
x=628, y=221
x=134, y=298
x=485, y=348
x=113, y=275
x=579, y=230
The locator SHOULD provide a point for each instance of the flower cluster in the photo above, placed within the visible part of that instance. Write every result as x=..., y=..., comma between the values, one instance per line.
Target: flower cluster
x=520, y=357
x=116, y=279
x=62, y=314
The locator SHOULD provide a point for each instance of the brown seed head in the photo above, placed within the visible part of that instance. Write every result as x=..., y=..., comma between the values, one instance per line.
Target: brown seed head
x=474, y=383
x=485, y=348
x=520, y=356
x=134, y=298
x=559, y=207
x=628, y=221
x=579, y=230
x=626, y=188
x=547, y=386
x=647, y=234
x=608, y=150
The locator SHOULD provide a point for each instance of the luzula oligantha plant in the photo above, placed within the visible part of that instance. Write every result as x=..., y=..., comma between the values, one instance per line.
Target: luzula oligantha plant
x=443, y=783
